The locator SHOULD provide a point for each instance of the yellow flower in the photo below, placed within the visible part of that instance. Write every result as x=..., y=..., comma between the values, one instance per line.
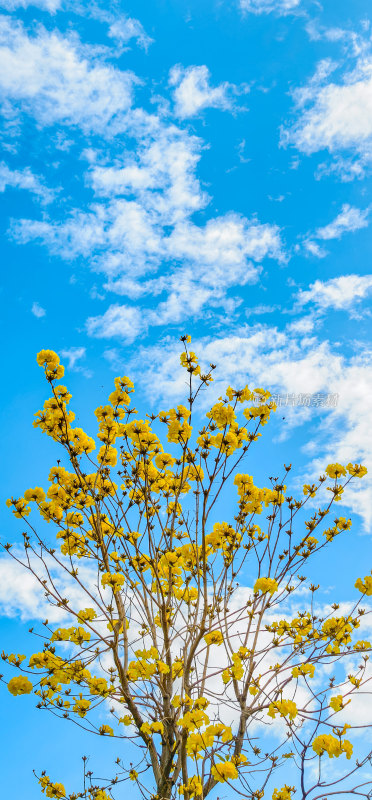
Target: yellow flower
x=119, y=398
x=194, y=719
x=163, y=460
x=214, y=637
x=86, y=614
x=326, y=743
x=75, y=635
x=362, y=645
x=81, y=706
x=303, y=669
x=14, y=659
x=283, y=794
x=162, y=667
x=146, y=728
x=335, y=470
x=286, y=708
x=337, y=702
x=157, y=727
x=80, y=442
x=356, y=470
x=106, y=729
x=222, y=731
x=123, y=382
x=56, y=790
x=48, y=359
x=36, y=495
x=190, y=362
x=366, y=586
x=193, y=787
x=107, y=456
x=140, y=669
x=20, y=685
x=98, y=686
x=224, y=771
x=115, y=580
x=311, y=490
x=201, y=702
x=126, y=720
x=343, y=524
x=266, y=585
x=20, y=509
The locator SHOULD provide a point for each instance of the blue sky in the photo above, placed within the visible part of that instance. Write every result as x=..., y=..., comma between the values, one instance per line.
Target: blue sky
x=199, y=167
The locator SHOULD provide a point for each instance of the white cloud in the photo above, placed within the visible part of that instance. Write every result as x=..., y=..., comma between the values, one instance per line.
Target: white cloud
x=161, y=173
x=261, y=309
x=313, y=248
x=121, y=28
x=128, y=237
x=74, y=355
x=268, y=6
x=288, y=362
x=37, y=310
x=317, y=32
x=226, y=242
x=128, y=240
x=214, y=258
x=120, y=321
x=45, y=5
x=21, y=595
x=57, y=79
x=349, y=219
x=338, y=293
x=24, y=179
x=139, y=232
x=336, y=116
x=193, y=91
x=304, y=325
x=126, y=28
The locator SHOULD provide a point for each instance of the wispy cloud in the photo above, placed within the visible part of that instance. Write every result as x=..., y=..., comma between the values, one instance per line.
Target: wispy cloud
x=37, y=310
x=349, y=220
x=45, y=5
x=139, y=231
x=336, y=115
x=24, y=179
x=74, y=356
x=121, y=28
x=214, y=258
x=269, y=6
x=193, y=91
x=126, y=28
x=261, y=309
x=128, y=240
x=51, y=77
x=123, y=322
x=343, y=292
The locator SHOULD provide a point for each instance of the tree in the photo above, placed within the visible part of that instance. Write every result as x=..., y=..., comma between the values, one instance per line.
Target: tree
x=197, y=672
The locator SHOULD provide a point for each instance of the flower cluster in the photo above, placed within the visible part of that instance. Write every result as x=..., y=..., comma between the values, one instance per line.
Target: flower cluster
x=166, y=635
x=326, y=743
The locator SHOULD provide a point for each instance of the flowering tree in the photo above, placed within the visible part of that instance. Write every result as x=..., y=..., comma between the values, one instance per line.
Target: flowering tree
x=196, y=671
